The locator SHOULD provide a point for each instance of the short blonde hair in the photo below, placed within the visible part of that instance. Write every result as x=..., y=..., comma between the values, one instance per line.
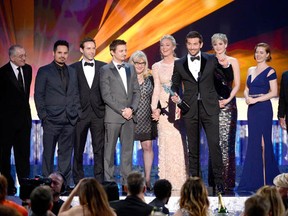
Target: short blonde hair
x=219, y=36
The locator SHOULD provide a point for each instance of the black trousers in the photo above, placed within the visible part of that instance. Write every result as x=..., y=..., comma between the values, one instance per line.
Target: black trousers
x=18, y=137
x=96, y=126
x=210, y=123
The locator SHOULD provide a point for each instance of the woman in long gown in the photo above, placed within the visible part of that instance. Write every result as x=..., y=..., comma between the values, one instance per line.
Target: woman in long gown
x=226, y=85
x=145, y=130
x=260, y=166
x=172, y=142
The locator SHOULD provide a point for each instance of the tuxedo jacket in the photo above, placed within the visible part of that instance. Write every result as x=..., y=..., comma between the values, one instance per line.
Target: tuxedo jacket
x=283, y=97
x=14, y=108
x=90, y=97
x=114, y=94
x=183, y=76
x=131, y=206
x=52, y=101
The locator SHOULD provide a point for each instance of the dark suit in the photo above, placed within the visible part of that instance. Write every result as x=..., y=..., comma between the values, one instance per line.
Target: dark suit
x=93, y=110
x=208, y=110
x=15, y=122
x=131, y=206
x=59, y=109
x=116, y=99
x=283, y=98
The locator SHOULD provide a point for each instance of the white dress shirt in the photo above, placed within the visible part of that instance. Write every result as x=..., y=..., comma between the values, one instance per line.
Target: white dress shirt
x=89, y=72
x=194, y=66
x=16, y=72
x=122, y=73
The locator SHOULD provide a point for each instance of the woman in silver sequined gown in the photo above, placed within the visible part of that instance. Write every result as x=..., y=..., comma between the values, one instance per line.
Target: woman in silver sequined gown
x=228, y=112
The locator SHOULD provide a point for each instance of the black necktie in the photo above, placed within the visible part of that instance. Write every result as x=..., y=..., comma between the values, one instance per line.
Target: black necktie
x=20, y=79
x=89, y=64
x=120, y=65
x=195, y=58
x=63, y=78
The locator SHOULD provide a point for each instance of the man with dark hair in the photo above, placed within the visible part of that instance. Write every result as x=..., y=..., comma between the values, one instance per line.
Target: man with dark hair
x=121, y=93
x=58, y=106
x=194, y=73
x=256, y=205
x=93, y=109
x=15, y=116
x=134, y=204
x=58, y=188
x=162, y=190
x=41, y=201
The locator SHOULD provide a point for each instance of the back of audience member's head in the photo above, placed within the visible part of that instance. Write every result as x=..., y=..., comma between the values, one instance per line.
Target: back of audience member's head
x=92, y=194
x=276, y=204
x=281, y=182
x=162, y=189
x=256, y=205
x=194, y=197
x=3, y=187
x=135, y=183
x=8, y=211
x=41, y=200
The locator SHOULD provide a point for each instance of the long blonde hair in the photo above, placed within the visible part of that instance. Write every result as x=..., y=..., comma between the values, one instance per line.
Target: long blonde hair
x=271, y=194
x=194, y=197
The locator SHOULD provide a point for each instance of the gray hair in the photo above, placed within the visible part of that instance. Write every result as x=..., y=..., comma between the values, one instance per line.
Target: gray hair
x=12, y=49
x=139, y=55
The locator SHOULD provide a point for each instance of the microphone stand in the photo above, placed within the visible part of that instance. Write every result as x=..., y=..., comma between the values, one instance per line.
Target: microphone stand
x=198, y=123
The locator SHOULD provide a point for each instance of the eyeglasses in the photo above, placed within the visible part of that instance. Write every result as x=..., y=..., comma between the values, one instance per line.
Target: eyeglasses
x=139, y=63
x=22, y=56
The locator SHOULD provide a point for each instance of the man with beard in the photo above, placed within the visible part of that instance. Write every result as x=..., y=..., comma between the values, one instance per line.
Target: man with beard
x=58, y=106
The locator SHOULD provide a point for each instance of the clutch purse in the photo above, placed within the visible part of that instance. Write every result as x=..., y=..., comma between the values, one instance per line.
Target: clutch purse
x=185, y=107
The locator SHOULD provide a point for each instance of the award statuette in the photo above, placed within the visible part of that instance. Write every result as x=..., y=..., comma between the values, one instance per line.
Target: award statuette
x=181, y=104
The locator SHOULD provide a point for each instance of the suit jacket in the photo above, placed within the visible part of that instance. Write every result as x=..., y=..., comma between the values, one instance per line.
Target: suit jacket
x=283, y=97
x=52, y=101
x=114, y=93
x=14, y=109
x=90, y=97
x=131, y=206
x=182, y=74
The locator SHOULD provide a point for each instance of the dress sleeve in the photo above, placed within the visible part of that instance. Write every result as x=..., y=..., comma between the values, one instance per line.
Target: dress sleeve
x=272, y=76
x=157, y=86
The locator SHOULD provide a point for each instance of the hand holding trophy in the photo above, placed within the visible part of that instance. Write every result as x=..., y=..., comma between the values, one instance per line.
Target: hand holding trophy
x=176, y=99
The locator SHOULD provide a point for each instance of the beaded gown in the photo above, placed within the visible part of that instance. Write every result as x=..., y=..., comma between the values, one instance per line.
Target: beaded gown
x=227, y=128
x=172, y=141
x=259, y=126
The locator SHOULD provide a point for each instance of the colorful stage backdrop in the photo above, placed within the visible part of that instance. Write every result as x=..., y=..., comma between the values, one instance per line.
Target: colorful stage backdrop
x=37, y=24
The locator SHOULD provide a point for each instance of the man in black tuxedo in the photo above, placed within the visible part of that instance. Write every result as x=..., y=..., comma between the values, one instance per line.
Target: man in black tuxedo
x=15, y=115
x=196, y=71
x=93, y=110
x=58, y=106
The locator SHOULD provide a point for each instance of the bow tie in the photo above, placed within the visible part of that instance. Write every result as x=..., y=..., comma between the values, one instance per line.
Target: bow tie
x=89, y=64
x=195, y=58
x=120, y=65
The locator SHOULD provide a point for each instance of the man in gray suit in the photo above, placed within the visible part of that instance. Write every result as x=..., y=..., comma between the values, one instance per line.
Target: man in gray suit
x=120, y=92
x=58, y=106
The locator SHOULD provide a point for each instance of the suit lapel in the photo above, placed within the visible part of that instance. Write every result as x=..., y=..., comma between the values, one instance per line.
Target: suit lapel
x=186, y=68
x=203, y=64
x=95, y=76
x=82, y=74
x=128, y=75
x=117, y=76
x=12, y=77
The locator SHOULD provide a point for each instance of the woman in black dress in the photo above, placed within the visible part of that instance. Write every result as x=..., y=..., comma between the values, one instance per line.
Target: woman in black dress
x=146, y=129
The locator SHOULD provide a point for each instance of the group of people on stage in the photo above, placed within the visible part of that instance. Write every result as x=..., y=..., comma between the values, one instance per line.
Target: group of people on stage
x=126, y=100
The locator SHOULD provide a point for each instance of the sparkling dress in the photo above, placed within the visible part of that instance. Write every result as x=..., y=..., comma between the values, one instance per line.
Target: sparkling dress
x=145, y=129
x=259, y=125
x=172, y=139
x=227, y=128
